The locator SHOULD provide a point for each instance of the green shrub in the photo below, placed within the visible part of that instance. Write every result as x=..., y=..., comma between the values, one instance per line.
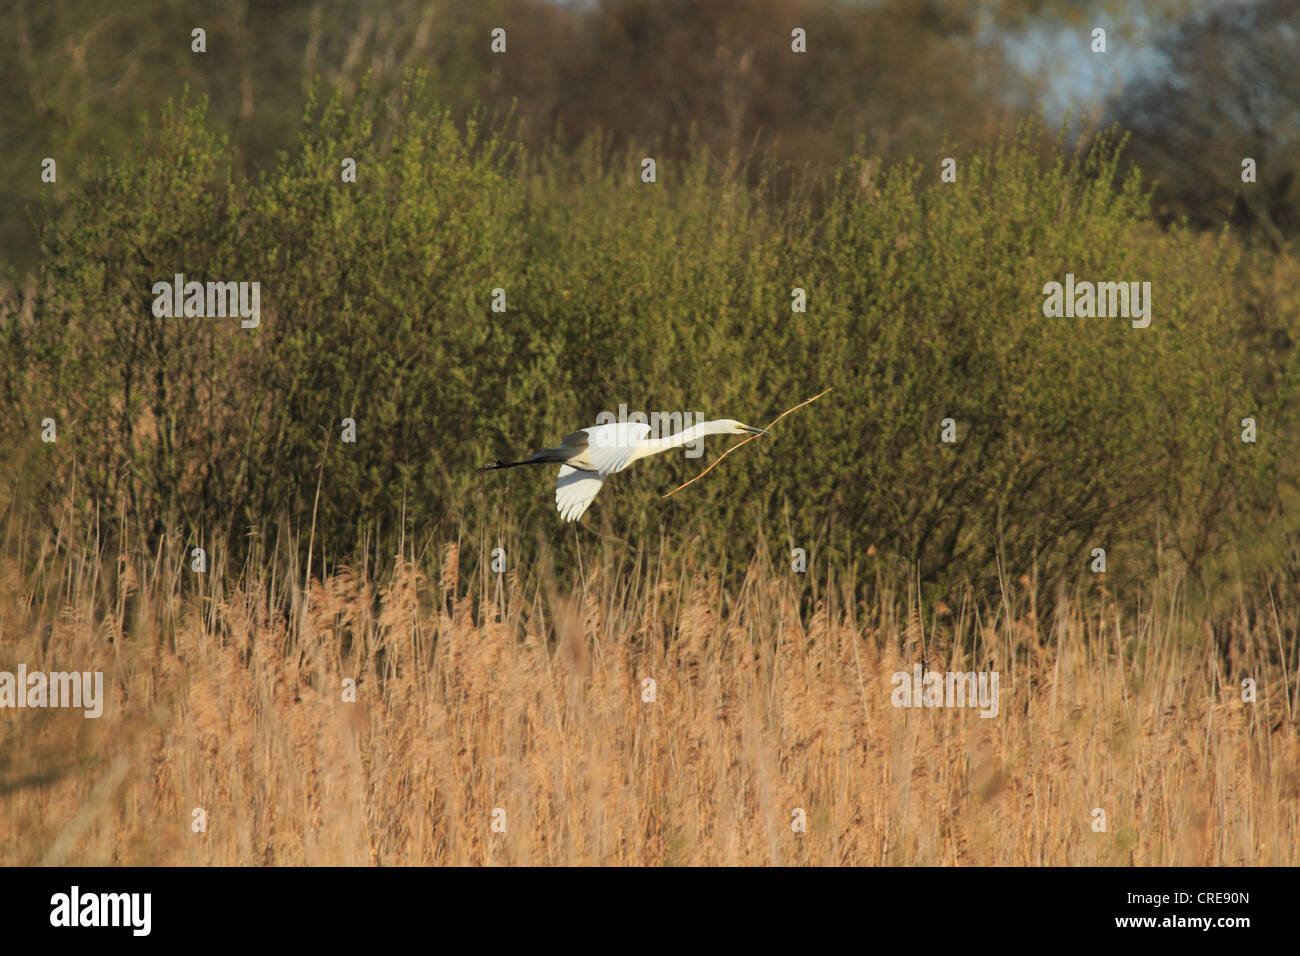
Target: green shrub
x=924, y=302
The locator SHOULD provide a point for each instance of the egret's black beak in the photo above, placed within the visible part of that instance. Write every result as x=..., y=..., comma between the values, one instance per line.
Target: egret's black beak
x=755, y=431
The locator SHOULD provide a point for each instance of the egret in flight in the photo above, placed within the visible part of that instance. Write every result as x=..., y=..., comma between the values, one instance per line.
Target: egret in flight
x=586, y=457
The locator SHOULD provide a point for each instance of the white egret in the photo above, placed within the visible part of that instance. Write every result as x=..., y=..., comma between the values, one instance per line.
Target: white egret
x=586, y=457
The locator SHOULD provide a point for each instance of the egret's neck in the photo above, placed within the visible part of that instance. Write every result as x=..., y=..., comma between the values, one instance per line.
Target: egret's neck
x=705, y=428
x=653, y=446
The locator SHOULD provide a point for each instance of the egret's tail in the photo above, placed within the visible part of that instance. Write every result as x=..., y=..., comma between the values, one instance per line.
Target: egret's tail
x=547, y=456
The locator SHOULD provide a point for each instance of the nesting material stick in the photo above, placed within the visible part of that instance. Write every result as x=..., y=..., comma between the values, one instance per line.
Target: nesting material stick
x=749, y=439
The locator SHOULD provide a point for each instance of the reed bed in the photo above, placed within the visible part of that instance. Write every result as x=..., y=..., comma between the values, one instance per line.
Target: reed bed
x=510, y=700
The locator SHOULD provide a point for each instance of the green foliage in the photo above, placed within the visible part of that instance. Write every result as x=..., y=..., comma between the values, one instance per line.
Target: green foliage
x=924, y=302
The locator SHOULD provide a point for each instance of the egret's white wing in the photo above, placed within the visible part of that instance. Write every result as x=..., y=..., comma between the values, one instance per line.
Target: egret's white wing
x=575, y=490
x=610, y=447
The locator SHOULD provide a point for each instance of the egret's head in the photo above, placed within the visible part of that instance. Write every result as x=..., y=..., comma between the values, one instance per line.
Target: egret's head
x=739, y=428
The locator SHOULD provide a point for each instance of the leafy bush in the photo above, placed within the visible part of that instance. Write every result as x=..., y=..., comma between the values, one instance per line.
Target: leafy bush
x=924, y=302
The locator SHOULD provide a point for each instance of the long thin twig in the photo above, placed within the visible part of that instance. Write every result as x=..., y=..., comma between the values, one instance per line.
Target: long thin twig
x=749, y=439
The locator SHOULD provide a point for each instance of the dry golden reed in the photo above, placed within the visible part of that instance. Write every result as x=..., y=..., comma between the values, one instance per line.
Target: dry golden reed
x=510, y=695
